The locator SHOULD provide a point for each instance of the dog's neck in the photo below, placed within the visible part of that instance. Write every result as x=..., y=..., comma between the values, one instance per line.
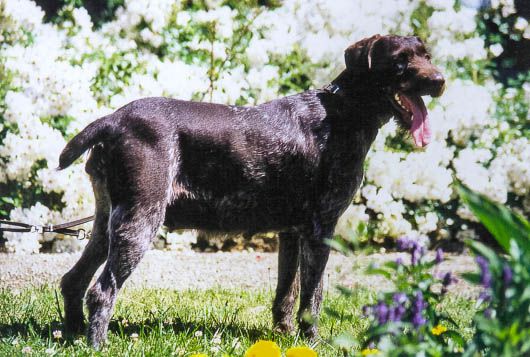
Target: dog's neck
x=358, y=92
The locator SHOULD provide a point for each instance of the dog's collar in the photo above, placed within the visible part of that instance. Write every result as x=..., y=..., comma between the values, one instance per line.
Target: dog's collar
x=331, y=88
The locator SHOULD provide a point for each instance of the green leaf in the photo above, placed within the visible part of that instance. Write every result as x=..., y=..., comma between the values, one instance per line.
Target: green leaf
x=339, y=246
x=480, y=249
x=378, y=271
x=455, y=336
x=345, y=291
x=503, y=224
x=332, y=312
x=473, y=278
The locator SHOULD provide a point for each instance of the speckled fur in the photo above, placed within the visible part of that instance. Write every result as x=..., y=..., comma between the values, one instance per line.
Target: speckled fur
x=290, y=165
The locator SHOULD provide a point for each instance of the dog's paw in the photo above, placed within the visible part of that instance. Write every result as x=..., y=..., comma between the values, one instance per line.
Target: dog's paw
x=309, y=332
x=285, y=328
x=74, y=326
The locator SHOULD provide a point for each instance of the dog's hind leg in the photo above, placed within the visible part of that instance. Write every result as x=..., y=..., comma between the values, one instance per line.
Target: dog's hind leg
x=288, y=281
x=75, y=283
x=131, y=232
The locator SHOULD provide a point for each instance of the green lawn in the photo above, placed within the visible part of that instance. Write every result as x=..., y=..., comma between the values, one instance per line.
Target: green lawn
x=179, y=323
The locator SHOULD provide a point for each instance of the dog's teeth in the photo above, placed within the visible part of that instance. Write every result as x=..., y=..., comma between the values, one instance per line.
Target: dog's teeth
x=396, y=97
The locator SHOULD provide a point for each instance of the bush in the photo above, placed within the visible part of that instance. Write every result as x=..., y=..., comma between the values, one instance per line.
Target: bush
x=410, y=320
x=61, y=75
x=503, y=323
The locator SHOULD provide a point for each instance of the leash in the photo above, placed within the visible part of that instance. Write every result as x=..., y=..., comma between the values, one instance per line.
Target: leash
x=63, y=228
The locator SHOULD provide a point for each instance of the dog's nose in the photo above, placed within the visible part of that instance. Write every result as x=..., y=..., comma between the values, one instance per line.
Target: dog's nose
x=437, y=84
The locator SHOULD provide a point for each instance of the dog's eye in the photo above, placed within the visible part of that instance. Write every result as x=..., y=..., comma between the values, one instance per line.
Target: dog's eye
x=427, y=57
x=400, y=67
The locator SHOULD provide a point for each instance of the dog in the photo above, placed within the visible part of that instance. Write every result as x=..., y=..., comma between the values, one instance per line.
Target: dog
x=291, y=165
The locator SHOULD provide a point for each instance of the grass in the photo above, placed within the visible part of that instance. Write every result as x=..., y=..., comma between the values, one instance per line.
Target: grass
x=175, y=323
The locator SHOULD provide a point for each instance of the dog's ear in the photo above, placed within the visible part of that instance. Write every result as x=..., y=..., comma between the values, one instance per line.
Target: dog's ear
x=358, y=57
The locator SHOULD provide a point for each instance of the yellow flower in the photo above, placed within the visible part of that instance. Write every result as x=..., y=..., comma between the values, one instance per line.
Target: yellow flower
x=438, y=329
x=199, y=355
x=369, y=351
x=264, y=349
x=300, y=352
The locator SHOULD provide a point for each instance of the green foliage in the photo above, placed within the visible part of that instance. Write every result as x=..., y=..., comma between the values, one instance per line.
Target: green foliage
x=512, y=109
x=295, y=72
x=16, y=194
x=410, y=320
x=59, y=122
x=497, y=27
x=100, y=11
x=419, y=18
x=423, y=327
x=503, y=323
x=507, y=227
x=114, y=74
x=350, y=242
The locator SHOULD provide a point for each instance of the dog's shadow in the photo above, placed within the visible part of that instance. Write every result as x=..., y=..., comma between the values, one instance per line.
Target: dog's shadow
x=123, y=329
x=178, y=325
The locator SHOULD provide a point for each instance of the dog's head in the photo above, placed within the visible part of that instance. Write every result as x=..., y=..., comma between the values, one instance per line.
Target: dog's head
x=401, y=68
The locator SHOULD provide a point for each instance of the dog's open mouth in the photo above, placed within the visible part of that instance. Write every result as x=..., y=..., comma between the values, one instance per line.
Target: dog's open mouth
x=413, y=115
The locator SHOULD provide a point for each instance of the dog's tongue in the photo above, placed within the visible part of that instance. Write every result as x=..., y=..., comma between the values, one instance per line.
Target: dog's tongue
x=420, y=129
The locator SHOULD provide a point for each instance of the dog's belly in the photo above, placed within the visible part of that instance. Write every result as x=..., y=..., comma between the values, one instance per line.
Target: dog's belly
x=237, y=213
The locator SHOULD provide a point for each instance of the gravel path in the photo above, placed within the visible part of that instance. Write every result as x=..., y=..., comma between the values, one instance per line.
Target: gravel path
x=206, y=270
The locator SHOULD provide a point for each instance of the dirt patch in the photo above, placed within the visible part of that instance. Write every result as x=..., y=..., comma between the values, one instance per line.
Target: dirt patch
x=242, y=270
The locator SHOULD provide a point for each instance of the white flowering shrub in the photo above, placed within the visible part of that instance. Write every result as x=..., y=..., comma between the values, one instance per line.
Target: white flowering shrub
x=56, y=77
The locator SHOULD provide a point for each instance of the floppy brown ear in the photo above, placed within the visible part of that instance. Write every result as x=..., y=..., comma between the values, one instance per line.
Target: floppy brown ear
x=358, y=57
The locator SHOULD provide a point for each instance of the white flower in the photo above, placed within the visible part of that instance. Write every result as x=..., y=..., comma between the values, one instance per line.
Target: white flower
x=57, y=334
x=496, y=49
x=26, y=350
x=521, y=24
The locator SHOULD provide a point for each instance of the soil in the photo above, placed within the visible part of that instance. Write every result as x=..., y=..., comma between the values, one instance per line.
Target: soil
x=230, y=270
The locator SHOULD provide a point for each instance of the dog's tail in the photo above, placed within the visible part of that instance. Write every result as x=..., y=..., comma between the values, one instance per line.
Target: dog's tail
x=94, y=133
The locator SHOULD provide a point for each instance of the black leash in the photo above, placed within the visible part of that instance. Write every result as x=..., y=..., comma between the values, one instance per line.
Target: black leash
x=63, y=228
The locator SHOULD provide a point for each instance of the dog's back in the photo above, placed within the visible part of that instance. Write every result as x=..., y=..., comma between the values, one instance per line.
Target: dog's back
x=231, y=168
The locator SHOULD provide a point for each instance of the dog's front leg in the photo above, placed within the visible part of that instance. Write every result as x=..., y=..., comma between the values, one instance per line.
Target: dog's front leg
x=315, y=254
x=288, y=281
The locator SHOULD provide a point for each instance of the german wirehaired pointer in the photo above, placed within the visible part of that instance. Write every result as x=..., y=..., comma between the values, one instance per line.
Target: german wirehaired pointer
x=290, y=165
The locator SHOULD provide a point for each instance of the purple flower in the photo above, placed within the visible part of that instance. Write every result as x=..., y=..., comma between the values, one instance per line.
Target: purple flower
x=398, y=312
x=447, y=280
x=381, y=312
x=485, y=274
x=418, y=320
x=417, y=253
x=399, y=261
x=418, y=305
x=507, y=274
x=439, y=256
x=488, y=313
x=367, y=310
x=484, y=296
x=413, y=246
x=404, y=244
x=400, y=298
x=391, y=316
